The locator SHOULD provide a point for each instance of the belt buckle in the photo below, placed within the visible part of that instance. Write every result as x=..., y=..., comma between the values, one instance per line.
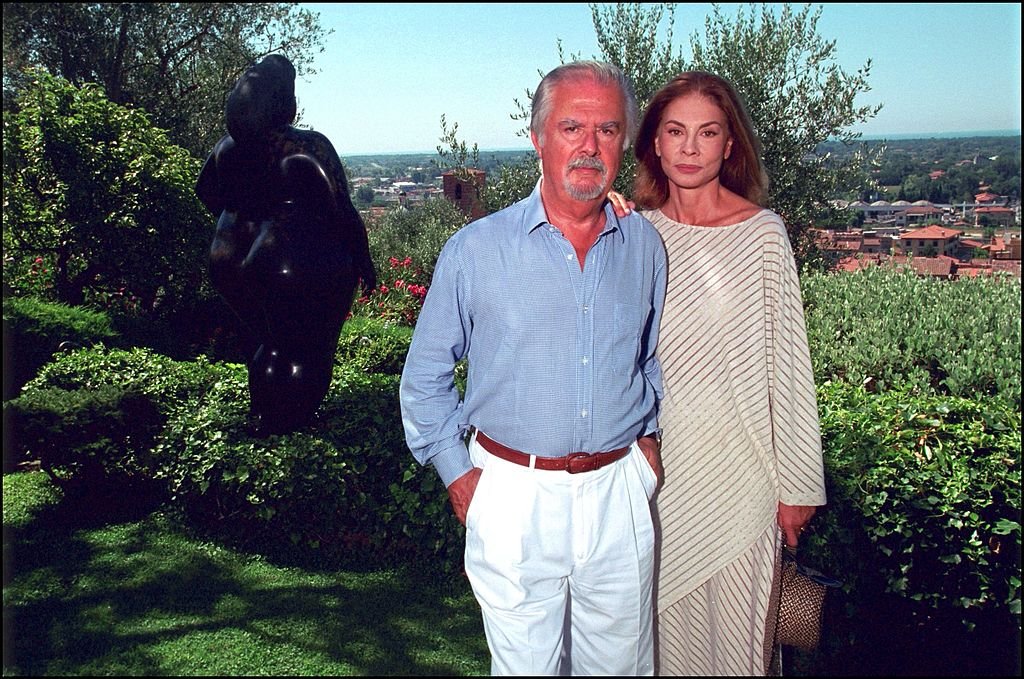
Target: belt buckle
x=580, y=462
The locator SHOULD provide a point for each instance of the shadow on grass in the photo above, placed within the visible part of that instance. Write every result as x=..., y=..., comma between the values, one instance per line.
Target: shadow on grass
x=137, y=596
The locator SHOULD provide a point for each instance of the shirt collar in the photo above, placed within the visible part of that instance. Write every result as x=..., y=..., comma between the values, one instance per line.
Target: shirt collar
x=535, y=215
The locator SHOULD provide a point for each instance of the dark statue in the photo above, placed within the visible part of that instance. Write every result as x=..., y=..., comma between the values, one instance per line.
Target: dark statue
x=289, y=248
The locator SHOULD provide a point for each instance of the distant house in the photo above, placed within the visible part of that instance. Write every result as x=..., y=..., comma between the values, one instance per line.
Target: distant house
x=995, y=215
x=463, y=189
x=930, y=241
x=921, y=212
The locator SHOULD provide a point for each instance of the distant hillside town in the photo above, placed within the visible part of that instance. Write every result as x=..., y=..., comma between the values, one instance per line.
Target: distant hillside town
x=948, y=241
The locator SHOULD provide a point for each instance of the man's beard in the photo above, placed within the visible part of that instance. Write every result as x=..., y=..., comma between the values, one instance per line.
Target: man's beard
x=586, y=191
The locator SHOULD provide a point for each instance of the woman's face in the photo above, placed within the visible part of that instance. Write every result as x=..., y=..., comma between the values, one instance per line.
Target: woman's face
x=692, y=141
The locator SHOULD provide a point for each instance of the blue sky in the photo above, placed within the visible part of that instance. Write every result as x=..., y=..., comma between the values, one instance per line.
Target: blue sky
x=390, y=71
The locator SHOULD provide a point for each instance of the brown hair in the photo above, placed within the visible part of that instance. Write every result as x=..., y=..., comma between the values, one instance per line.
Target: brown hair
x=742, y=172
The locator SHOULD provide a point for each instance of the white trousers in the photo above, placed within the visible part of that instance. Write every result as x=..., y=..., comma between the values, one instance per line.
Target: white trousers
x=548, y=552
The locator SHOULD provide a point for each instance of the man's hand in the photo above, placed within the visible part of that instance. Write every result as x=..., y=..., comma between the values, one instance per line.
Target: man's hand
x=651, y=449
x=461, y=491
x=792, y=520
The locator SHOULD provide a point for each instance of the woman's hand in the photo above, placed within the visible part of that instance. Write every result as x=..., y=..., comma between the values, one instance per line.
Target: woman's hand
x=792, y=520
x=620, y=204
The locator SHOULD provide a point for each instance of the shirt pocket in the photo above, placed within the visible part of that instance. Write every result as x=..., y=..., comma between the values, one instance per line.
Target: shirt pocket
x=627, y=326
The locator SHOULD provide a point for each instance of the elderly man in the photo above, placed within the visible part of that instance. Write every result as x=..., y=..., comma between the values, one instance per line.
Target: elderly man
x=552, y=457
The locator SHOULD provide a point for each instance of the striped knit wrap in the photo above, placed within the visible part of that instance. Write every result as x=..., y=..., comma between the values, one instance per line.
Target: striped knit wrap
x=739, y=418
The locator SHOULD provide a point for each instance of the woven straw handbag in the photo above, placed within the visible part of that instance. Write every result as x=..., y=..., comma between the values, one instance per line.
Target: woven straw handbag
x=801, y=602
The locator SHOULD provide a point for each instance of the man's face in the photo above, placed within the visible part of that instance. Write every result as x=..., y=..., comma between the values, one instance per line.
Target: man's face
x=582, y=140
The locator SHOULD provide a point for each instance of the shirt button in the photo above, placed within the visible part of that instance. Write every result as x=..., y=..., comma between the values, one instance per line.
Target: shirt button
x=569, y=257
x=585, y=360
x=583, y=414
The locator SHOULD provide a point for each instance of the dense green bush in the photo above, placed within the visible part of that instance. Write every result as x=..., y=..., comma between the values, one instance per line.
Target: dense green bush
x=346, y=482
x=887, y=327
x=87, y=440
x=924, y=499
x=171, y=384
x=418, y=233
x=35, y=330
x=372, y=345
x=100, y=200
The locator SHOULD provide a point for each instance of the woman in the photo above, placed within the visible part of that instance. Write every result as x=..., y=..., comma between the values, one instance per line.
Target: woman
x=741, y=443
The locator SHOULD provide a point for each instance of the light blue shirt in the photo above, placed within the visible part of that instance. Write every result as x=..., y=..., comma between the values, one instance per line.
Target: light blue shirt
x=560, y=359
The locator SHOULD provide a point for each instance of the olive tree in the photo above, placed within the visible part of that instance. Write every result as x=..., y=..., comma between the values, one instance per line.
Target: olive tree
x=797, y=96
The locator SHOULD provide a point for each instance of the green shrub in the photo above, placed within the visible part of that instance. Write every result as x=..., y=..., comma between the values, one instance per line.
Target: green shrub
x=418, y=233
x=372, y=345
x=86, y=439
x=346, y=482
x=924, y=499
x=35, y=330
x=101, y=199
x=886, y=327
x=170, y=384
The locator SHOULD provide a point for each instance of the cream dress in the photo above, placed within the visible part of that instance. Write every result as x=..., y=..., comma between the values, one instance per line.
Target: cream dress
x=740, y=434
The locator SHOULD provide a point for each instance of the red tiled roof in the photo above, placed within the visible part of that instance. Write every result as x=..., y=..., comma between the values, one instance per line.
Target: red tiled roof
x=933, y=266
x=931, y=233
x=1011, y=266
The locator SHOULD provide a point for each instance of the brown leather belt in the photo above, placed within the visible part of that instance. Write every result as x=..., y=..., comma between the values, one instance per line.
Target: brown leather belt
x=574, y=463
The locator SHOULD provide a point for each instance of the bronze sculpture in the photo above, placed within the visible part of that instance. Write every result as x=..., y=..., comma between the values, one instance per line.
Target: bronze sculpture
x=289, y=247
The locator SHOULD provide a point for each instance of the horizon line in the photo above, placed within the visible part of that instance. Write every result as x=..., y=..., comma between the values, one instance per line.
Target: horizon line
x=901, y=136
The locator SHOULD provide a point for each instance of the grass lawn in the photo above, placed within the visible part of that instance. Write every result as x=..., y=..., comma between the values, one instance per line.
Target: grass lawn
x=139, y=595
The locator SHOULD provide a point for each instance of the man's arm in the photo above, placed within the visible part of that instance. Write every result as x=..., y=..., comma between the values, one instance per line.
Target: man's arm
x=431, y=408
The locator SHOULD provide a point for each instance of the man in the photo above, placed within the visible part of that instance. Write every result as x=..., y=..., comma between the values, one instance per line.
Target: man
x=556, y=303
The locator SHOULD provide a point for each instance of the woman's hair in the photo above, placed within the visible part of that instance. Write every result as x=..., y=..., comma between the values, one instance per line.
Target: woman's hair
x=742, y=172
x=599, y=71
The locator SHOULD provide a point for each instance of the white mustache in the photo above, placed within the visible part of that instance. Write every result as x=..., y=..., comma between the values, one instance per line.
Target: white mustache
x=589, y=164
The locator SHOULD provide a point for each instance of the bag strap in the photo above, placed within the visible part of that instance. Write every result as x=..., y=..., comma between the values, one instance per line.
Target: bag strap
x=789, y=554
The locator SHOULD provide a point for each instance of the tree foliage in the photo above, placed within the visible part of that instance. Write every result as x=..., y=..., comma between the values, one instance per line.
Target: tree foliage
x=175, y=60
x=99, y=201
x=798, y=98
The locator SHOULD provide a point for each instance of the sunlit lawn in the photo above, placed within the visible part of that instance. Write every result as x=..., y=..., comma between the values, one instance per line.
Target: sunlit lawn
x=142, y=597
